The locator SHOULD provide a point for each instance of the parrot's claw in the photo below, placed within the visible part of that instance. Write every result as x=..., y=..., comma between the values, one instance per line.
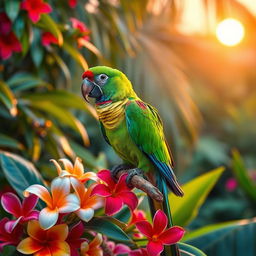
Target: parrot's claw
x=121, y=167
x=131, y=173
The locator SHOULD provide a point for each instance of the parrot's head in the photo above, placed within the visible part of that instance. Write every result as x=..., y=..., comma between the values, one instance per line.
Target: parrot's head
x=104, y=84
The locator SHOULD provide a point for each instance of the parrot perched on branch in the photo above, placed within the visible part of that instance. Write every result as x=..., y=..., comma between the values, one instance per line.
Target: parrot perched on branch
x=133, y=128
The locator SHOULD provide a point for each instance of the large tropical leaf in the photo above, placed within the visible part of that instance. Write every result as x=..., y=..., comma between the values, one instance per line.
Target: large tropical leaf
x=188, y=250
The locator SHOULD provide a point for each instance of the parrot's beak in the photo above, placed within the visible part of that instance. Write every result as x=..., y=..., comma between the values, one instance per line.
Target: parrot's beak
x=91, y=89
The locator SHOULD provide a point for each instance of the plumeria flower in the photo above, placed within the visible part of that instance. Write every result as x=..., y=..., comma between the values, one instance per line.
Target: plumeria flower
x=42, y=242
x=76, y=170
x=59, y=201
x=72, y=3
x=88, y=202
x=92, y=248
x=74, y=238
x=118, y=249
x=35, y=8
x=9, y=238
x=23, y=212
x=158, y=235
x=116, y=194
x=137, y=215
x=84, y=31
x=139, y=252
x=48, y=38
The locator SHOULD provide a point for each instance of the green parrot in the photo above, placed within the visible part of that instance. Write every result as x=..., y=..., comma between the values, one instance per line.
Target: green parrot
x=132, y=127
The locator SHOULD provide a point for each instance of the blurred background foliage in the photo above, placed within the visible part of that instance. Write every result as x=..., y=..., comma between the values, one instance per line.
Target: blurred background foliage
x=205, y=91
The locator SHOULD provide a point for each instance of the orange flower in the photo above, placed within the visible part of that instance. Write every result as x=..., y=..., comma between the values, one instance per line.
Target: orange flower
x=92, y=248
x=45, y=242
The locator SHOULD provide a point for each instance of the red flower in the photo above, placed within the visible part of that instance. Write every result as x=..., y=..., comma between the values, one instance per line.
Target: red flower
x=158, y=235
x=5, y=24
x=35, y=8
x=74, y=238
x=7, y=238
x=137, y=215
x=48, y=38
x=139, y=252
x=84, y=31
x=116, y=194
x=118, y=249
x=72, y=3
x=22, y=212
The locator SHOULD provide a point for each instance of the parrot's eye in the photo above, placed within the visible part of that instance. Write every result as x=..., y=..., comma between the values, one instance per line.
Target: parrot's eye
x=101, y=79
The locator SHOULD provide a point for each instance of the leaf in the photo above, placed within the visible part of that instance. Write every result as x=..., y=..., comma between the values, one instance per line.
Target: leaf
x=76, y=55
x=6, y=141
x=7, y=97
x=111, y=230
x=49, y=24
x=242, y=176
x=90, y=47
x=19, y=172
x=189, y=250
x=37, y=51
x=12, y=8
x=233, y=238
x=185, y=209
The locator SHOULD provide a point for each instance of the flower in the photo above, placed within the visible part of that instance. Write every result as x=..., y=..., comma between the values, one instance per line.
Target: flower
x=84, y=31
x=45, y=242
x=137, y=215
x=118, y=249
x=92, y=248
x=5, y=24
x=139, y=252
x=9, y=238
x=88, y=202
x=158, y=235
x=76, y=171
x=48, y=38
x=72, y=3
x=59, y=201
x=22, y=212
x=74, y=238
x=116, y=194
x=231, y=184
x=35, y=8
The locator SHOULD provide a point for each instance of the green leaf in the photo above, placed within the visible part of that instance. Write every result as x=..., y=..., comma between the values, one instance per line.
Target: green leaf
x=232, y=238
x=6, y=141
x=19, y=172
x=7, y=97
x=49, y=24
x=242, y=176
x=12, y=8
x=37, y=51
x=189, y=250
x=185, y=209
x=111, y=230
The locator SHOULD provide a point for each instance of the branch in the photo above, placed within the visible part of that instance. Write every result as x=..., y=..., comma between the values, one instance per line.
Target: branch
x=144, y=185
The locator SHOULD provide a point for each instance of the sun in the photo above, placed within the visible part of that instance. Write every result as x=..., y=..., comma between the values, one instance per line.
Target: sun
x=230, y=32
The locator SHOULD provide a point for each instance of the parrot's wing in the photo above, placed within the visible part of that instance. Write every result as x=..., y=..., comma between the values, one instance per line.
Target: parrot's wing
x=146, y=130
x=104, y=133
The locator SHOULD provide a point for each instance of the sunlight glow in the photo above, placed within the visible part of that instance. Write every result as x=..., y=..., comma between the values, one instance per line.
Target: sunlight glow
x=230, y=32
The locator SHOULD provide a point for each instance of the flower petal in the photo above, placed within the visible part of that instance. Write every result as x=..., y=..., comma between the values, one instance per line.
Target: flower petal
x=60, y=187
x=121, y=185
x=60, y=249
x=172, y=235
x=85, y=214
x=78, y=167
x=88, y=176
x=68, y=166
x=76, y=231
x=10, y=225
x=33, y=215
x=35, y=231
x=29, y=246
x=57, y=233
x=28, y=204
x=159, y=222
x=34, y=16
x=145, y=228
x=113, y=205
x=48, y=218
x=57, y=165
x=70, y=203
x=78, y=186
x=105, y=175
x=11, y=204
x=41, y=192
x=130, y=199
x=101, y=190
x=45, y=8
x=44, y=252
x=97, y=240
x=154, y=248
x=121, y=249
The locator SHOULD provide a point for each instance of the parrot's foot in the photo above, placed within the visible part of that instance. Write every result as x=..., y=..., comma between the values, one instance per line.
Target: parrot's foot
x=121, y=167
x=131, y=174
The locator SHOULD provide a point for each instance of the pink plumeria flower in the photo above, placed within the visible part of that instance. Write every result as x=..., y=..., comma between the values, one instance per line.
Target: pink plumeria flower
x=118, y=249
x=23, y=212
x=74, y=238
x=9, y=238
x=48, y=38
x=58, y=201
x=116, y=194
x=139, y=252
x=158, y=235
x=88, y=202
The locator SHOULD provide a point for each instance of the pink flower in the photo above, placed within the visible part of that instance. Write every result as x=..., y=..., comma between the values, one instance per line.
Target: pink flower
x=74, y=238
x=116, y=194
x=84, y=31
x=48, y=38
x=137, y=215
x=139, y=252
x=158, y=235
x=231, y=184
x=118, y=249
x=23, y=212
x=35, y=8
x=5, y=24
x=72, y=3
x=7, y=238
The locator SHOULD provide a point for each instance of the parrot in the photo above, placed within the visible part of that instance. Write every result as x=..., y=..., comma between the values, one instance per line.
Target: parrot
x=133, y=129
